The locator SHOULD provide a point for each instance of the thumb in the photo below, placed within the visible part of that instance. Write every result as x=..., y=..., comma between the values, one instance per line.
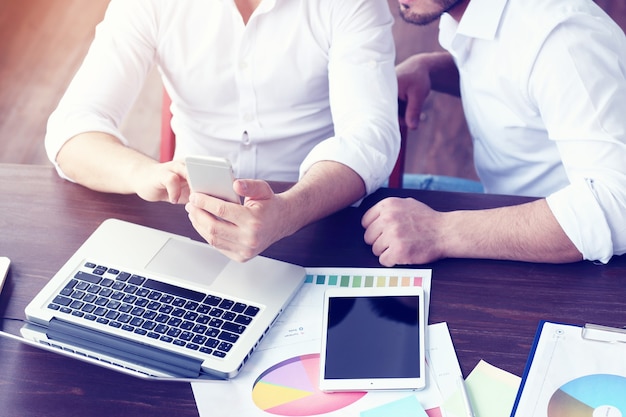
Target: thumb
x=413, y=112
x=254, y=189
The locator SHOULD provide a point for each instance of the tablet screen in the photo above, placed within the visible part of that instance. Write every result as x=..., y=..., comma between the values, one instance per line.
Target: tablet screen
x=373, y=341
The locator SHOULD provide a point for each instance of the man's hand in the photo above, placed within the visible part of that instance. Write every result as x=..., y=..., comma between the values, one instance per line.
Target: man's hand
x=243, y=231
x=420, y=74
x=240, y=231
x=162, y=182
x=405, y=231
x=413, y=87
x=402, y=231
x=101, y=162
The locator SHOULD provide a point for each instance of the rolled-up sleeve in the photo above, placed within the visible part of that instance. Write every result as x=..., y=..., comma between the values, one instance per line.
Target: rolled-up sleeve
x=109, y=79
x=585, y=116
x=593, y=219
x=363, y=92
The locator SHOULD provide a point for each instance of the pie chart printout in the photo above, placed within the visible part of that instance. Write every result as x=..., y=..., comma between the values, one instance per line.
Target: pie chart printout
x=290, y=388
x=598, y=395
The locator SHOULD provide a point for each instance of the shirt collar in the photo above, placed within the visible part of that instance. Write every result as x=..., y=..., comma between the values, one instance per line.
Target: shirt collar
x=481, y=19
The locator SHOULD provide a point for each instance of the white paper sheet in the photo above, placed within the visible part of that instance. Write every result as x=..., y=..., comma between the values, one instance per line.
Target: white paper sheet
x=281, y=377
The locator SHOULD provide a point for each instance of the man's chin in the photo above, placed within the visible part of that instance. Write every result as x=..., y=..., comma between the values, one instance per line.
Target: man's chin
x=416, y=19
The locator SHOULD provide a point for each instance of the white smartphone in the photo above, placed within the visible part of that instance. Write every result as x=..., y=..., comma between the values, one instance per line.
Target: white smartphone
x=373, y=339
x=4, y=269
x=213, y=176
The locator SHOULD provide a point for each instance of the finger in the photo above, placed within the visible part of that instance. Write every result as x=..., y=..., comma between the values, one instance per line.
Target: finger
x=179, y=168
x=386, y=259
x=172, y=180
x=373, y=233
x=380, y=244
x=215, y=206
x=370, y=215
x=217, y=232
x=254, y=189
x=173, y=186
x=382, y=250
x=413, y=111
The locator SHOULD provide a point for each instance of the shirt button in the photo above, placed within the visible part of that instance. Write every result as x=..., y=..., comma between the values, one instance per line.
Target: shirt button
x=248, y=117
x=243, y=65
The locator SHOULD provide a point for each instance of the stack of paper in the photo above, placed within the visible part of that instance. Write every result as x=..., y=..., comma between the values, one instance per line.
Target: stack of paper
x=281, y=378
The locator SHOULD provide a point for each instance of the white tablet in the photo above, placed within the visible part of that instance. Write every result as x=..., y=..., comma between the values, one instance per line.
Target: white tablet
x=373, y=339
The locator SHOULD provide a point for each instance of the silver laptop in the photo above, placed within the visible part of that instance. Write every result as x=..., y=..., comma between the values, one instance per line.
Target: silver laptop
x=158, y=305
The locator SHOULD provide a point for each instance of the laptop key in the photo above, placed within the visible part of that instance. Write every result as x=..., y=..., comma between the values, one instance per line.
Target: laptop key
x=90, y=298
x=91, y=278
x=229, y=316
x=118, y=285
x=224, y=346
x=174, y=290
x=251, y=311
x=62, y=300
x=228, y=337
x=241, y=319
x=88, y=308
x=226, y=304
x=234, y=328
x=212, y=300
x=239, y=307
x=136, y=279
x=123, y=276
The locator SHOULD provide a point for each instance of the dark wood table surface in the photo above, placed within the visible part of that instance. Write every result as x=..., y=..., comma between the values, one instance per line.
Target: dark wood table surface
x=492, y=307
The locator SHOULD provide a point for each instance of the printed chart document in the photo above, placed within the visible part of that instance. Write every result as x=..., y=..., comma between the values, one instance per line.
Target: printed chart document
x=281, y=378
x=574, y=372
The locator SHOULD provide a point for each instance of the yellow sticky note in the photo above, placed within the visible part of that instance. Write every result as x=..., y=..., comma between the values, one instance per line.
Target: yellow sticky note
x=491, y=390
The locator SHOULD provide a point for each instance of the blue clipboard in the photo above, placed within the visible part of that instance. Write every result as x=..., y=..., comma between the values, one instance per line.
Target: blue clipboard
x=588, y=339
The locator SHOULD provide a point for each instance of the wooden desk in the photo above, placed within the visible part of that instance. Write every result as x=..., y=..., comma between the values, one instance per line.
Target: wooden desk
x=492, y=307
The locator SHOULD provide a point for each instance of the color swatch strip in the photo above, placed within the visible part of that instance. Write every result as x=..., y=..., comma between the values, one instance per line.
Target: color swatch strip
x=364, y=281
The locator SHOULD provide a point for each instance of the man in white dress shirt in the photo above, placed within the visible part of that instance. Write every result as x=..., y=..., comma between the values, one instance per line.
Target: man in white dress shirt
x=543, y=87
x=287, y=90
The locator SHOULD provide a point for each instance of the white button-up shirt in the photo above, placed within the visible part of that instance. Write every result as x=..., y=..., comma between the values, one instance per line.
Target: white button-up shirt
x=302, y=81
x=543, y=84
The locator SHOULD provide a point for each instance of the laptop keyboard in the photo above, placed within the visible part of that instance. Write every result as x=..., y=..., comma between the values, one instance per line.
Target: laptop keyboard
x=154, y=309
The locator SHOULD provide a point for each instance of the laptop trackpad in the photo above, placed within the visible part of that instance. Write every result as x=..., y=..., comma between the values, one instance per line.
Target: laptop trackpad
x=188, y=261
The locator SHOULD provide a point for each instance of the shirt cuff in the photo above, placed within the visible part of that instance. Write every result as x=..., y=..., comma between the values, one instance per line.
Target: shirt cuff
x=371, y=165
x=580, y=215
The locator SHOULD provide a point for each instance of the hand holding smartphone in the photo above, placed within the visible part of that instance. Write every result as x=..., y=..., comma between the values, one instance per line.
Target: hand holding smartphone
x=213, y=176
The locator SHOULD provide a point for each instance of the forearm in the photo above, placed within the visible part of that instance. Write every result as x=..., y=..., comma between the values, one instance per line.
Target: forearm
x=444, y=75
x=101, y=162
x=325, y=188
x=527, y=232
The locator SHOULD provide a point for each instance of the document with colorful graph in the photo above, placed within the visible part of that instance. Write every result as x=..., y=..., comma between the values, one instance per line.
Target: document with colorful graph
x=574, y=371
x=281, y=378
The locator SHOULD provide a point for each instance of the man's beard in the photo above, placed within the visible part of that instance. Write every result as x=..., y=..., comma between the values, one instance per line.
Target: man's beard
x=425, y=18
